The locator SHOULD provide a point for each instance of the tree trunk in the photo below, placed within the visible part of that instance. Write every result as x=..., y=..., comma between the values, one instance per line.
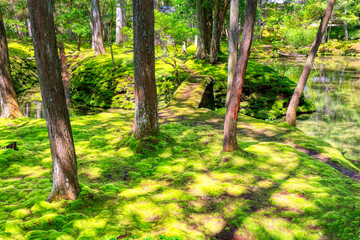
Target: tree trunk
x=97, y=28
x=146, y=114
x=27, y=111
x=217, y=27
x=294, y=102
x=29, y=27
x=9, y=107
x=65, y=181
x=204, y=22
x=233, y=44
x=345, y=26
x=230, y=126
x=91, y=27
x=120, y=21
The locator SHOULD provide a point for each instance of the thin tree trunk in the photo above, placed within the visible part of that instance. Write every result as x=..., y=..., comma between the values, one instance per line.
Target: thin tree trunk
x=110, y=38
x=29, y=27
x=345, y=26
x=9, y=107
x=157, y=5
x=91, y=27
x=294, y=102
x=97, y=28
x=233, y=44
x=146, y=113
x=120, y=21
x=65, y=181
x=230, y=126
x=27, y=109
x=79, y=42
x=218, y=23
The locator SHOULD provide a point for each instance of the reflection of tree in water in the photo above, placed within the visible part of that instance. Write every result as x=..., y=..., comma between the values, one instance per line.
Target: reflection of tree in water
x=334, y=88
x=334, y=92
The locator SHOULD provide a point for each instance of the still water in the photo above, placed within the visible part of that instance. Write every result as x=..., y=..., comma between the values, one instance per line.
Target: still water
x=334, y=88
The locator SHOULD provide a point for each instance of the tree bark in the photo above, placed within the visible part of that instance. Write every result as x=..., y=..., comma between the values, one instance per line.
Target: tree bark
x=65, y=180
x=230, y=126
x=217, y=27
x=233, y=44
x=120, y=21
x=294, y=102
x=9, y=107
x=97, y=28
x=65, y=73
x=146, y=113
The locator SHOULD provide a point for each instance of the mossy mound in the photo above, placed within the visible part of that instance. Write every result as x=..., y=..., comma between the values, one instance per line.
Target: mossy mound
x=22, y=66
x=94, y=83
x=178, y=185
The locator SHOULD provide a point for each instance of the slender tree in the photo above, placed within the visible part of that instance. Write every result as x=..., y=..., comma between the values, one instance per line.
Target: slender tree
x=233, y=44
x=294, y=102
x=65, y=181
x=97, y=28
x=230, y=141
x=146, y=114
x=9, y=107
x=120, y=21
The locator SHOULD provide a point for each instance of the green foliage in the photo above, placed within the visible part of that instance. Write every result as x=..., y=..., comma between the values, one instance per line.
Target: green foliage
x=171, y=25
x=300, y=37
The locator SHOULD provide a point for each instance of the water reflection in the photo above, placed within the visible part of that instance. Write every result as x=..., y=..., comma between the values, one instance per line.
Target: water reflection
x=334, y=88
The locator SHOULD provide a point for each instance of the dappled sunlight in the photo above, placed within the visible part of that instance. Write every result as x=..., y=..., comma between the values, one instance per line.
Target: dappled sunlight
x=178, y=184
x=208, y=223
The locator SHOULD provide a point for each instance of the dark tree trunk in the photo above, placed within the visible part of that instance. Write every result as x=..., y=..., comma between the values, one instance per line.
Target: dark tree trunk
x=146, y=114
x=120, y=21
x=230, y=126
x=97, y=28
x=9, y=107
x=204, y=26
x=217, y=27
x=79, y=42
x=233, y=44
x=294, y=102
x=65, y=181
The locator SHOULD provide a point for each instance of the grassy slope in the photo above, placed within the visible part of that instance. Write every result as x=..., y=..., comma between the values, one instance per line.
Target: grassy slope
x=178, y=185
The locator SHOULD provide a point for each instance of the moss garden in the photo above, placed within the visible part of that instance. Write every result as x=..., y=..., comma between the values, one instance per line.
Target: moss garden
x=282, y=184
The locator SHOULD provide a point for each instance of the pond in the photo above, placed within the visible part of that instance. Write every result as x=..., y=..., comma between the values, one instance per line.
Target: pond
x=334, y=88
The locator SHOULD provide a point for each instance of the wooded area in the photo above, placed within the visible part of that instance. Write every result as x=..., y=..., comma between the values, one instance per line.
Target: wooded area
x=172, y=119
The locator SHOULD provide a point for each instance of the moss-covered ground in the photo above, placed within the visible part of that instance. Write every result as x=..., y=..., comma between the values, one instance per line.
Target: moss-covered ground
x=178, y=185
